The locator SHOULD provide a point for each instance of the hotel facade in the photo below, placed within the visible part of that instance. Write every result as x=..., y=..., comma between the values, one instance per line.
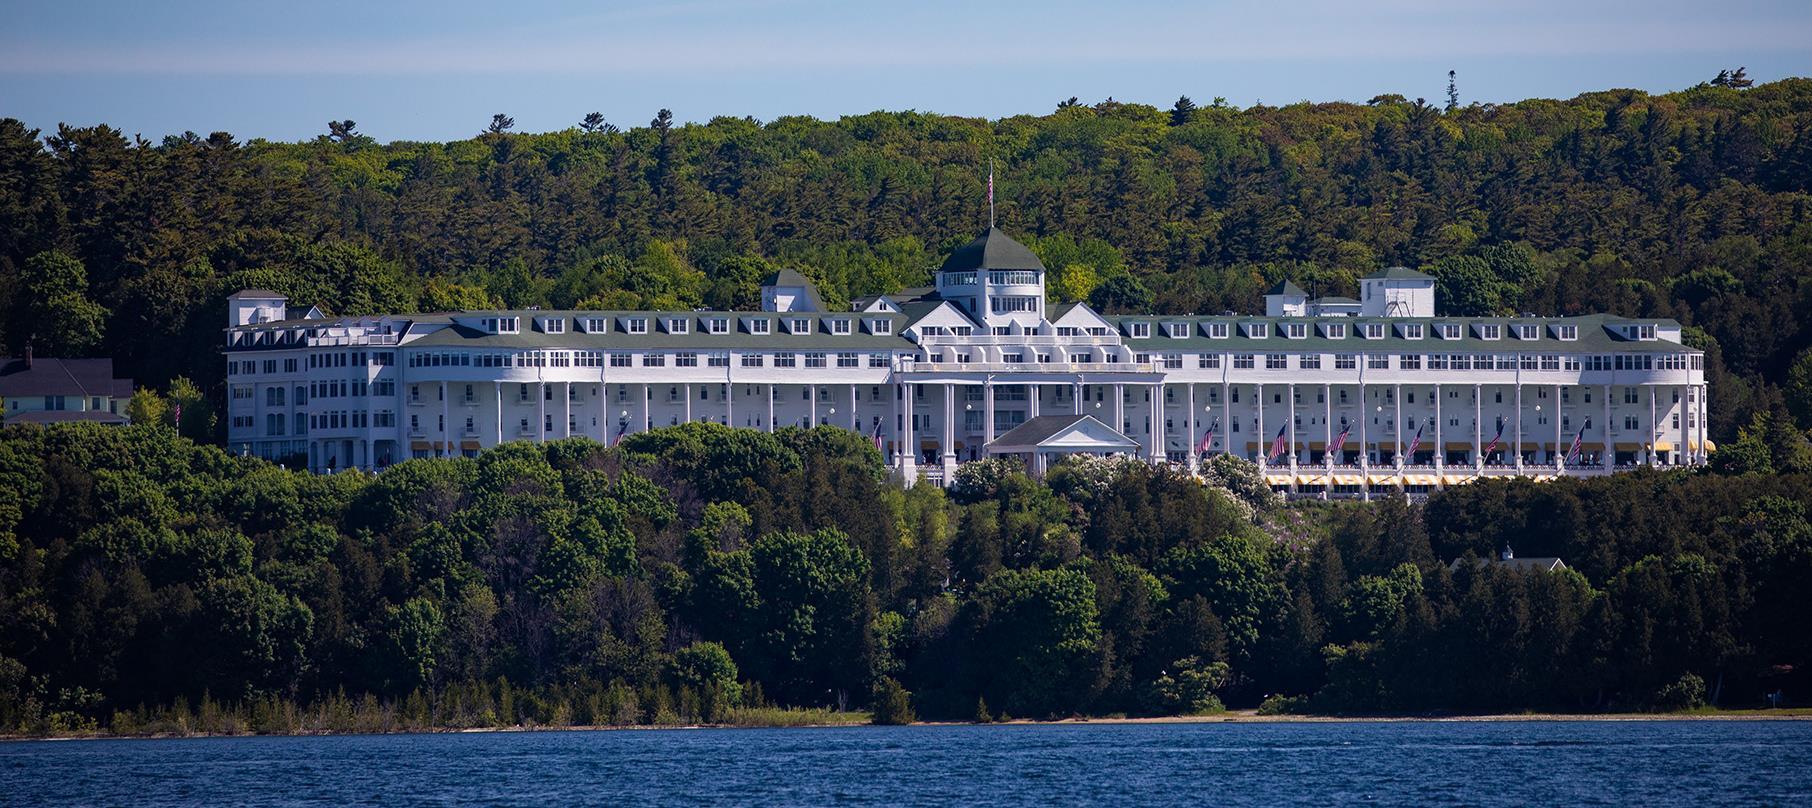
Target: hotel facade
x=981, y=365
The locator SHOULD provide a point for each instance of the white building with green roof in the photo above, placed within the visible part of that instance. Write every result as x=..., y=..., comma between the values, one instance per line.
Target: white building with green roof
x=1332, y=396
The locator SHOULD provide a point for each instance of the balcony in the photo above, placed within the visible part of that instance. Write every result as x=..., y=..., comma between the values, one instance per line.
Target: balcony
x=915, y=366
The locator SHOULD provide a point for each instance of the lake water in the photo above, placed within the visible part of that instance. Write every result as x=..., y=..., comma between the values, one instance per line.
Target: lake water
x=1569, y=763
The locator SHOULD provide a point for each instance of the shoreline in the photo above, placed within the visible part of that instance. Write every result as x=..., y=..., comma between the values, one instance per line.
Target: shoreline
x=1229, y=717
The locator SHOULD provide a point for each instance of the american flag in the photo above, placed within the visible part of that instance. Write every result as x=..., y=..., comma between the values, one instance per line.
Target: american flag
x=1573, y=453
x=1492, y=447
x=877, y=433
x=1415, y=442
x=1346, y=428
x=622, y=426
x=1207, y=438
x=1277, y=444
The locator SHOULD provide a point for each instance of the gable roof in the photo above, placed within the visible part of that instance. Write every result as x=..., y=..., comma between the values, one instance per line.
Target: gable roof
x=1045, y=429
x=256, y=293
x=991, y=250
x=60, y=377
x=1285, y=287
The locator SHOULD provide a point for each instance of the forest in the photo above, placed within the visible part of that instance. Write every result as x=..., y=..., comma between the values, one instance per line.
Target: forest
x=1695, y=205
x=152, y=584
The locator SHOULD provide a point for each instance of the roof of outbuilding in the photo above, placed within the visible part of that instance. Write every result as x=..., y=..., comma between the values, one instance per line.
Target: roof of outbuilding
x=64, y=416
x=991, y=250
x=255, y=293
x=59, y=377
x=1285, y=287
x=1039, y=429
x=1399, y=274
x=1335, y=300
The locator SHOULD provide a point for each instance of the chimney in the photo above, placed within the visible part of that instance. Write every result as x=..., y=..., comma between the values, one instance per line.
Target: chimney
x=28, y=354
x=1507, y=554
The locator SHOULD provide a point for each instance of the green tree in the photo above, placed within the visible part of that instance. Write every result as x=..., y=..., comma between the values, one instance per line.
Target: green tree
x=55, y=313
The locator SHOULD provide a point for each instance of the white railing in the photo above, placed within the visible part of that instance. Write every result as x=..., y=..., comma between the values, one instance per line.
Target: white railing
x=1009, y=340
x=915, y=366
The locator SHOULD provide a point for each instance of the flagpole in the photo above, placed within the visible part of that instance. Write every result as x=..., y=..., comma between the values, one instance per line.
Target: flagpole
x=990, y=193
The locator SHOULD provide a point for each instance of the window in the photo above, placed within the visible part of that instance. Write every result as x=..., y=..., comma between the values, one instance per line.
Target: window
x=1377, y=361
x=1448, y=330
x=752, y=360
x=800, y=325
x=1335, y=330
x=553, y=325
x=685, y=359
x=1437, y=361
x=1490, y=331
x=1258, y=330
x=1139, y=330
x=654, y=360
x=1296, y=330
x=1309, y=361
x=848, y=360
x=1174, y=361
x=1177, y=330
x=717, y=360
x=1208, y=361
x=877, y=360
x=1217, y=330
x=1409, y=361
x=619, y=360
x=760, y=325
x=1243, y=361
x=814, y=360
x=880, y=326
x=1412, y=330
x=839, y=326
x=595, y=325
x=1277, y=362
x=1346, y=361
x=786, y=360
x=1528, y=332
x=1374, y=330
x=679, y=325
x=635, y=325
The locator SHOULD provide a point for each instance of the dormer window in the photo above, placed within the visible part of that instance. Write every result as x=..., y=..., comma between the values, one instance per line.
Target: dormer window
x=1528, y=332
x=1258, y=330
x=1642, y=332
x=1374, y=330
x=497, y=325
x=1177, y=330
x=1412, y=330
x=839, y=326
x=1296, y=330
x=635, y=325
x=594, y=325
x=760, y=325
x=1490, y=331
x=1566, y=332
x=1448, y=330
x=1217, y=330
x=679, y=325
x=718, y=325
x=553, y=325
x=880, y=326
x=1334, y=330
x=1139, y=330
x=800, y=325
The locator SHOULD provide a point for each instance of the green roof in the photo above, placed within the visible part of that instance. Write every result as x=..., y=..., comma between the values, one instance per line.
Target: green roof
x=991, y=250
x=696, y=338
x=1398, y=274
x=1595, y=335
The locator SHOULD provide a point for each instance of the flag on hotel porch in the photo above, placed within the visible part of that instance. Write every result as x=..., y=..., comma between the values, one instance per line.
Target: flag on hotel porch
x=622, y=426
x=876, y=435
x=1492, y=446
x=1207, y=438
x=1346, y=428
x=1415, y=443
x=1573, y=453
x=1277, y=444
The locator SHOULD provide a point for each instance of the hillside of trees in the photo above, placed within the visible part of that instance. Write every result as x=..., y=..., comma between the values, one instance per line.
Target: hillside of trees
x=148, y=582
x=1695, y=205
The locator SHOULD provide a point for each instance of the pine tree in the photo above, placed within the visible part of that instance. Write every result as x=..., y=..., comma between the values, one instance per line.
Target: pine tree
x=500, y=123
x=1180, y=113
x=1453, y=92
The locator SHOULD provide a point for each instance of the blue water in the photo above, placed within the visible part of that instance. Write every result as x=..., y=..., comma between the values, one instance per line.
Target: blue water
x=1472, y=763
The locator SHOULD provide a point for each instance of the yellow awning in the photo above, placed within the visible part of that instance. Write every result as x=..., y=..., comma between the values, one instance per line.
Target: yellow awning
x=1382, y=479
x=1421, y=479
x=1664, y=446
x=1348, y=479
x=1277, y=479
x=1456, y=479
x=1312, y=479
x=1628, y=447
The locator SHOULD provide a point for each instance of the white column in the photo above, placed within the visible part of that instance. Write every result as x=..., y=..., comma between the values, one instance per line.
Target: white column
x=1327, y=422
x=1194, y=436
x=1365, y=415
x=729, y=400
x=1396, y=392
x=811, y=394
x=988, y=411
x=1478, y=428
x=499, y=390
x=540, y=412
x=1519, y=425
x=1653, y=425
x=566, y=430
x=1226, y=417
x=949, y=445
x=1157, y=424
x=1119, y=407
x=446, y=429
x=686, y=390
x=1610, y=449
x=1076, y=396
x=909, y=450
x=1263, y=438
x=1290, y=424
x=1032, y=393
x=1560, y=452
x=770, y=408
x=1440, y=454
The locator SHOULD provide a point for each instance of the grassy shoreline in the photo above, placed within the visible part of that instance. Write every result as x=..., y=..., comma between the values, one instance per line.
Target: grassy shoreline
x=825, y=719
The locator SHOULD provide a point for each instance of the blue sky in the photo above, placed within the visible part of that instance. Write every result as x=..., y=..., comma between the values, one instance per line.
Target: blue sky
x=438, y=70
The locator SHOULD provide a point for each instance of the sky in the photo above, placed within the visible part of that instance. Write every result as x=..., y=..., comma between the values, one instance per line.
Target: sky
x=413, y=70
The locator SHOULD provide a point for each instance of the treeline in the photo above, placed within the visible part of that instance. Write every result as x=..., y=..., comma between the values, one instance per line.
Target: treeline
x=148, y=583
x=1693, y=205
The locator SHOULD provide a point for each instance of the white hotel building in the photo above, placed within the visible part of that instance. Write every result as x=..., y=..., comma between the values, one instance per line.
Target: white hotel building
x=980, y=365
